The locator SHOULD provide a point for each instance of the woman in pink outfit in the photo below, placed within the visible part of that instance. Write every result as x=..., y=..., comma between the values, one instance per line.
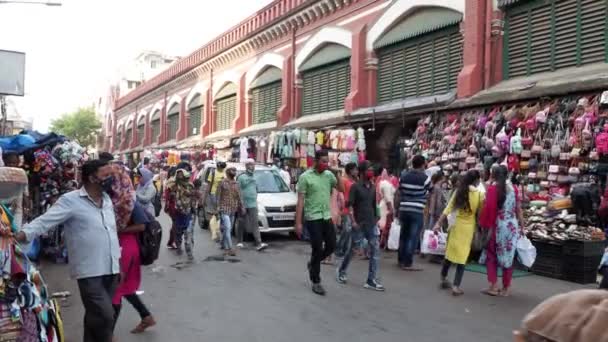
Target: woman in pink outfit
x=130, y=269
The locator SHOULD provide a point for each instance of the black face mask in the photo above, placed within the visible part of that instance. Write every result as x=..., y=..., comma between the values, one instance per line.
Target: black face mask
x=106, y=184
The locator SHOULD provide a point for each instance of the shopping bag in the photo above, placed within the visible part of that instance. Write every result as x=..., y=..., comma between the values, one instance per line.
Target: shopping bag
x=214, y=227
x=393, y=236
x=526, y=252
x=434, y=242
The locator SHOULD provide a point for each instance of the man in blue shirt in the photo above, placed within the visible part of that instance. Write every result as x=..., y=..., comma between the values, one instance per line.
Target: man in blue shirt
x=89, y=224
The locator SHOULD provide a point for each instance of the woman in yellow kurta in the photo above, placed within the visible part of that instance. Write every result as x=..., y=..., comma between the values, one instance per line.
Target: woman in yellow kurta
x=464, y=205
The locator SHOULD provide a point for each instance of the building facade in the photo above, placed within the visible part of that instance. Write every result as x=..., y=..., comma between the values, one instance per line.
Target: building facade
x=315, y=63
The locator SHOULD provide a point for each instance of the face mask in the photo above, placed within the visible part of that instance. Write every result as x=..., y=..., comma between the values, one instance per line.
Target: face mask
x=369, y=174
x=106, y=184
x=322, y=166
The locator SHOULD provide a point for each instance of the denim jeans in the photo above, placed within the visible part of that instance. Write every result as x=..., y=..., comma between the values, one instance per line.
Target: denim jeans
x=226, y=224
x=372, y=234
x=184, y=231
x=345, y=239
x=411, y=224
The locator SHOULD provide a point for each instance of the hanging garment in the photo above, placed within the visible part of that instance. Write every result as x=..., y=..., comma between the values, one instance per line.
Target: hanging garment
x=334, y=136
x=243, y=142
x=361, y=146
x=311, y=138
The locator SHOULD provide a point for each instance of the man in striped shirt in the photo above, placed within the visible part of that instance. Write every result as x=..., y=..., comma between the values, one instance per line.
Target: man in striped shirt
x=411, y=199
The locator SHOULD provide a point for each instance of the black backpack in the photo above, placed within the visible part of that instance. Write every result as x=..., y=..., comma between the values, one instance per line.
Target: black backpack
x=149, y=242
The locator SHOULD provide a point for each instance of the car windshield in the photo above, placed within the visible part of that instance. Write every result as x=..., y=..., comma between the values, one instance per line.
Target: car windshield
x=269, y=181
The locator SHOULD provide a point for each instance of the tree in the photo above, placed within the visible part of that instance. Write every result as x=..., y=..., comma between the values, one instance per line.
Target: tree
x=81, y=126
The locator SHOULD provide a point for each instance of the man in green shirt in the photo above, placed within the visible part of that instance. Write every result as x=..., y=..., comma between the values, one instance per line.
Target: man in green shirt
x=314, y=195
x=249, y=193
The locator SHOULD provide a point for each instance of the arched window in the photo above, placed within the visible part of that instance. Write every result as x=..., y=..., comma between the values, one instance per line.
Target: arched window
x=225, y=106
x=421, y=55
x=173, y=120
x=325, y=79
x=195, y=111
x=266, y=95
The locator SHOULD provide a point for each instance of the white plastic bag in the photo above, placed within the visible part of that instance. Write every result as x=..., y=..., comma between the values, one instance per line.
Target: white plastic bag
x=433, y=242
x=526, y=252
x=393, y=236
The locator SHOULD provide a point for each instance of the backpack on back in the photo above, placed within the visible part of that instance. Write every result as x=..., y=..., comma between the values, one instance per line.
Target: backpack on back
x=149, y=242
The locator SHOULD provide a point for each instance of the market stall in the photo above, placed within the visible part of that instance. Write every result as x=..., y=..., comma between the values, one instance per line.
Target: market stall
x=27, y=311
x=557, y=152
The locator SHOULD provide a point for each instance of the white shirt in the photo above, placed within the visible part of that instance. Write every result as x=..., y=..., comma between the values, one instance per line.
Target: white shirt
x=286, y=177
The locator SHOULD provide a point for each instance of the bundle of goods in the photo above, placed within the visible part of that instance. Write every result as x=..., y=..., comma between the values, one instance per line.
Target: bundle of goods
x=26, y=311
x=543, y=224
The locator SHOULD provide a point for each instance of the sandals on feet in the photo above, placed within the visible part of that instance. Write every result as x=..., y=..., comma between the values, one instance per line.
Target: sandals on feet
x=490, y=292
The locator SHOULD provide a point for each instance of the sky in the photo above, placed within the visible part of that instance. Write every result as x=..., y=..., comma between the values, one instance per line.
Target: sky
x=74, y=51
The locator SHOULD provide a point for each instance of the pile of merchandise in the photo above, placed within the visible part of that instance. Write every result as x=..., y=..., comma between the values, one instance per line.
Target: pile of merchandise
x=26, y=311
x=544, y=224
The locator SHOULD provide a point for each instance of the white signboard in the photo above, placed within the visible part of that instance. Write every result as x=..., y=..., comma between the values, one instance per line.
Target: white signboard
x=12, y=72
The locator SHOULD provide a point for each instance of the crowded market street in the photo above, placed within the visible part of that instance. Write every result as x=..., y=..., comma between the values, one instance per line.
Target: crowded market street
x=266, y=297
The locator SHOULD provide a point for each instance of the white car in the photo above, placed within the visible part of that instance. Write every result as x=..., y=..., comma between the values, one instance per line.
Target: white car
x=276, y=202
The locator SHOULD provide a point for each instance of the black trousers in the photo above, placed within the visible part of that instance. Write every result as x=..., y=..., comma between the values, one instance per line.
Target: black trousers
x=323, y=243
x=137, y=304
x=459, y=272
x=96, y=294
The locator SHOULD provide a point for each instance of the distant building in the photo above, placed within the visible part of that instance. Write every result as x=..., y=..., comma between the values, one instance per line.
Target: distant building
x=145, y=66
x=15, y=122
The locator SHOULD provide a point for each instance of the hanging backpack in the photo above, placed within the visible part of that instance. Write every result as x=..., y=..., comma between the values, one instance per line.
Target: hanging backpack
x=149, y=242
x=516, y=146
x=601, y=143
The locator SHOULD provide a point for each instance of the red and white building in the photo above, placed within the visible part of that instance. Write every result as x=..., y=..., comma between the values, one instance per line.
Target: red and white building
x=316, y=63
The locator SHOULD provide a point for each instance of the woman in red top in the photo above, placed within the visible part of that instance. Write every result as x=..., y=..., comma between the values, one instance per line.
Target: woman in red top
x=344, y=240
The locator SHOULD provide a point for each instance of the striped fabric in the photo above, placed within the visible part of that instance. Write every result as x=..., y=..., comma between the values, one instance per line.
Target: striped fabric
x=414, y=188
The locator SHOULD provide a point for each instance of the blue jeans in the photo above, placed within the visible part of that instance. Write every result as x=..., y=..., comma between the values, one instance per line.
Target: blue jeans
x=345, y=239
x=372, y=234
x=411, y=224
x=184, y=224
x=226, y=224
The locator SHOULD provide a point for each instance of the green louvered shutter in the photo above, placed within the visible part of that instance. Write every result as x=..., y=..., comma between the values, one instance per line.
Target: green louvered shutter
x=420, y=66
x=155, y=125
x=129, y=137
x=226, y=112
x=173, y=120
x=546, y=35
x=265, y=102
x=195, y=120
x=140, y=134
x=325, y=87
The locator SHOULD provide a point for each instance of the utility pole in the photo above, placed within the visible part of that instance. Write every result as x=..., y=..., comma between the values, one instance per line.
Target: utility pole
x=3, y=112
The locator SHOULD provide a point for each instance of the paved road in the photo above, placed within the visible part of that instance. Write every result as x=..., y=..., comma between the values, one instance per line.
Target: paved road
x=266, y=297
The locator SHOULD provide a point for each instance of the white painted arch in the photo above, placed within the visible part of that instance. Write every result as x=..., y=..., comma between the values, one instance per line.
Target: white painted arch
x=141, y=115
x=269, y=59
x=403, y=8
x=156, y=109
x=230, y=76
x=198, y=89
x=174, y=99
x=324, y=36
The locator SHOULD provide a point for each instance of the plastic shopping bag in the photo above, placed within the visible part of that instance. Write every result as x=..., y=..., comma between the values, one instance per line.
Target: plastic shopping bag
x=434, y=242
x=214, y=227
x=393, y=236
x=526, y=252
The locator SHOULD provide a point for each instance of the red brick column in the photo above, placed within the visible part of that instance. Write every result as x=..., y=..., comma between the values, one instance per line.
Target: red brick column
x=147, y=131
x=371, y=69
x=133, y=142
x=113, y=128
x=240, y=120
x=164, y=125
x=123, y=137
x=248, y=110
x=183, y=123
x=358, y=80
x=495, y=43
x=206, y=123
x=287, y=92
x=470, y=79
x=298, y=85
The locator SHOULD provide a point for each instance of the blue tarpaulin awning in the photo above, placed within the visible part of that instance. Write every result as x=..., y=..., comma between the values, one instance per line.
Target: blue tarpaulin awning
x=29, y=140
